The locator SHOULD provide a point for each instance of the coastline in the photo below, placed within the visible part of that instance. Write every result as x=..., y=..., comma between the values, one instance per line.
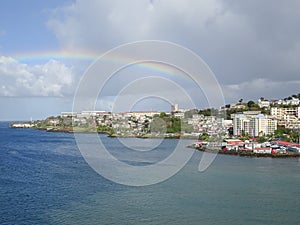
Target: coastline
x=92, y=130
x=166, y=136
x=248, y=153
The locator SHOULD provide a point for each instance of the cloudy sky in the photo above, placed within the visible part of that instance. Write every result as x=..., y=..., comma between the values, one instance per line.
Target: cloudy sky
x=253, y=47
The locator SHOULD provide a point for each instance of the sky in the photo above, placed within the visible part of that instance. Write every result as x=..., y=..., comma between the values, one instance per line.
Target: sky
x=252, y=47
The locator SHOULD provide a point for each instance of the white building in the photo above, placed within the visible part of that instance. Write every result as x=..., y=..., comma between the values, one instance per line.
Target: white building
x=262, y=125
x=262, y=103
x=281, y=113
x=263, y=150
x=174, y=108
x=88, y=114
x=68, y=114
x=179, y=115
x=254, y=125
x=292, y=101
x=240, y=124
x=287, y=117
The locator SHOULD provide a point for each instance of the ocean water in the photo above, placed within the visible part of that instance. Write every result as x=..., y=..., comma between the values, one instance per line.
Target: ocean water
x=45, y=180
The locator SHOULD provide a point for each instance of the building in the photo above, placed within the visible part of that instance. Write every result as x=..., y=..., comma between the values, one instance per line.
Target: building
x=292, y=101
x=251, y=113
x=68, y=114
x=262, y=150
x=262, y=103
x=142, y=114
x=248, y=114
x=253, y=125
x=287, y=117
x=262, y=125
x=271, y=126
x=178, y=115
x=237, y=106
x=88, y=114
x=240, y=124
x=279, y=113
x=174, y=108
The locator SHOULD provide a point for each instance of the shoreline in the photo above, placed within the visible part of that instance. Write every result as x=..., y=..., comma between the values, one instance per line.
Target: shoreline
x=178, y=136
x=249, y=153
x=88, y=131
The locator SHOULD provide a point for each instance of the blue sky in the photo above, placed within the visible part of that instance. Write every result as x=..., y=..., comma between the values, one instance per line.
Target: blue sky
x=252, y=47
x=23, y=26
x=24, y=31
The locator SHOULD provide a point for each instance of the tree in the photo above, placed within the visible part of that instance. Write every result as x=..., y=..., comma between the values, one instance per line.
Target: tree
x=209, y=112
x=186, y=128
x=174, y=125
x=162, y=115
x=158, y=125
x=146, y=125
x=266, y=111
x=250, y=104
x=205, y=112
x=204, y=136
x=190, y=113
x=282, y=133
x=262, y=139
x=245, y=136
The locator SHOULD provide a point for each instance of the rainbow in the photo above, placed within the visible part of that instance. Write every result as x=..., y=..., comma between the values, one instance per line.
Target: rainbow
x=89, y=57
x=36, y=57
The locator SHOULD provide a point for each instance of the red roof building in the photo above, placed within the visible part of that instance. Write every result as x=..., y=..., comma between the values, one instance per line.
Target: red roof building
x=286, y=143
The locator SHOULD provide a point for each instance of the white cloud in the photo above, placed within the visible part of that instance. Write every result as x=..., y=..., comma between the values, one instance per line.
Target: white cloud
x=50, y=79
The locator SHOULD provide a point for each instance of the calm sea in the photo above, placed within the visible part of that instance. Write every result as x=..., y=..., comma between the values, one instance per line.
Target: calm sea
x=45, y=180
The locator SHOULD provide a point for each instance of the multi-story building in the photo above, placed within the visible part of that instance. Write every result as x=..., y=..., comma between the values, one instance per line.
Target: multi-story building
x=254, y=125
x=279, y=113
x=287, y=117
x=174, y=108
x=272, y=126
x=240, y=123
x=262, y=125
